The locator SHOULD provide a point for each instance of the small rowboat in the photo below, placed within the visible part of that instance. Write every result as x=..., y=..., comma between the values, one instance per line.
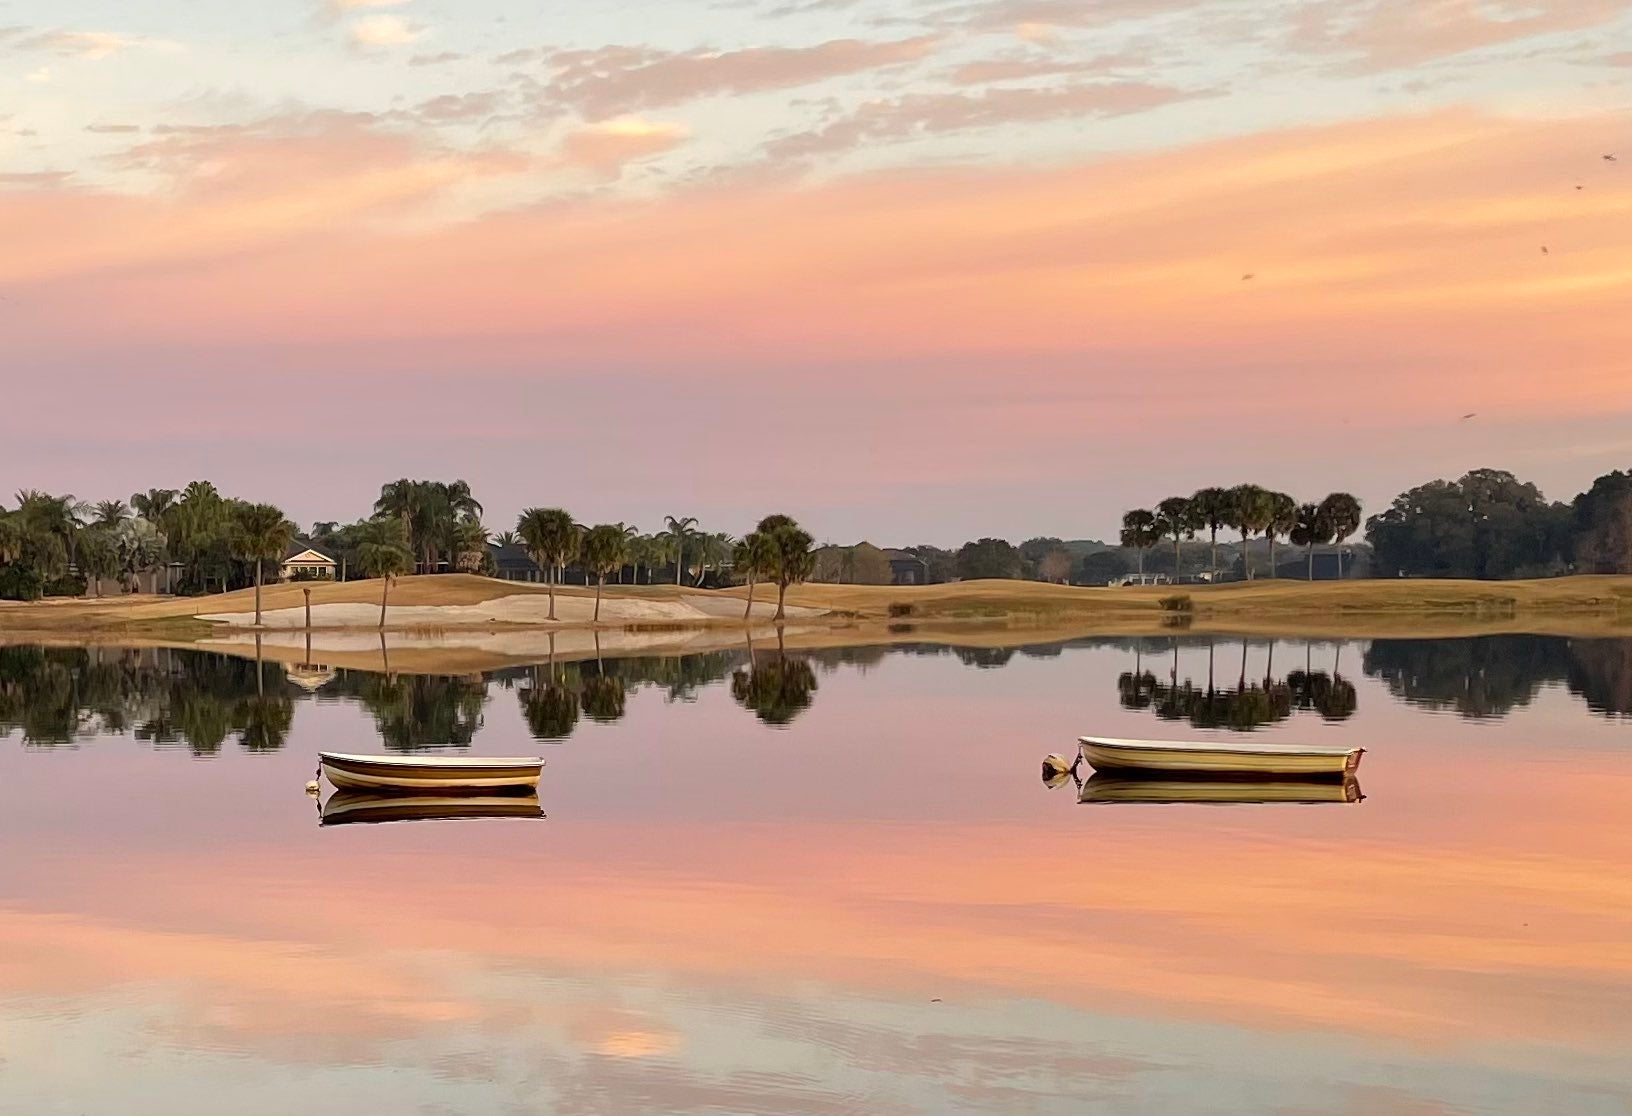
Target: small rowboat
x=347, y=807
x=429, y=772
x=1103, y=789
x=1222, y=758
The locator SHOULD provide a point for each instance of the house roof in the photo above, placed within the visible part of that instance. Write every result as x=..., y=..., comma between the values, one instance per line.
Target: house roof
x=896, y=555
x=300, y=548
x=511, y=557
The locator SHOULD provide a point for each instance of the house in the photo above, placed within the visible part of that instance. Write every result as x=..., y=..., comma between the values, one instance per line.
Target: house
x=512, y=563
x=906, y=568
x=304, y=562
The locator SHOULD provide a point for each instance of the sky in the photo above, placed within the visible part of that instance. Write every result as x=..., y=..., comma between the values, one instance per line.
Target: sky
x=912, y=271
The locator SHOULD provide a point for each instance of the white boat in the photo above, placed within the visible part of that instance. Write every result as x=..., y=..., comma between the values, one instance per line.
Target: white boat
x=1210, y=789
x=1220, y=758
x=348, y=806
x=429, y=772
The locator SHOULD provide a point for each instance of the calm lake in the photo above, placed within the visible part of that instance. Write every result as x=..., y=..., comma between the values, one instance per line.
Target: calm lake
x=822, y=883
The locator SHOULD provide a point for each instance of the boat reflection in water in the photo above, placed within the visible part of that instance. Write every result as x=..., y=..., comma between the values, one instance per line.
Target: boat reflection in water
x=347, y=807
x=1217, y=790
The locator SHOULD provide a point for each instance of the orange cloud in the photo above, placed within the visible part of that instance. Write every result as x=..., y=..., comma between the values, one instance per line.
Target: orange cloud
x=1402, y=247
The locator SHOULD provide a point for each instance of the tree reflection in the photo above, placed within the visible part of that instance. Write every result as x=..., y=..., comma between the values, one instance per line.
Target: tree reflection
x=1243, y=707
x=1487, y=677
x=776, y=689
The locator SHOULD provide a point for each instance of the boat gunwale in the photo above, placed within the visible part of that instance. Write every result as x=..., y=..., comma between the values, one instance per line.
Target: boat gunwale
x=1223, y=748
x=434, y=763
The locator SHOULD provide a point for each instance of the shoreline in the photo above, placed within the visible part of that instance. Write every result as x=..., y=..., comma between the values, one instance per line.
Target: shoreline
x=457, y=623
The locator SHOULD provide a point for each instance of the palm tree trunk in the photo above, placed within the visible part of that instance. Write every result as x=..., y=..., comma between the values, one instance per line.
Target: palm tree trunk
x=599, y=582
x=781, y=600
x=748, y=609
x=1340, y=559
x=1141, y=563
x=679, y=560
x=257, y=592
x=1273, y=570
x=549, y=579
x=1175, y=561
x=1311, y=549
x=385, y=589
x=1215, y=553
x=1246, y=553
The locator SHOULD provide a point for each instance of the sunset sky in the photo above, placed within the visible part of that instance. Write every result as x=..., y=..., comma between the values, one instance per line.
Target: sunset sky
x=911, y=270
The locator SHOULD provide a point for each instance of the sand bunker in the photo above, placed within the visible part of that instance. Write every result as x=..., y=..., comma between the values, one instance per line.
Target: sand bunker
x=526, y=608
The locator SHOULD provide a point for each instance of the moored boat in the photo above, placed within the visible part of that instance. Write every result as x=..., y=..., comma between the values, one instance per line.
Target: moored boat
x=347, y=807
x=353, y=772
x=1219, y=758
x=1206, y=789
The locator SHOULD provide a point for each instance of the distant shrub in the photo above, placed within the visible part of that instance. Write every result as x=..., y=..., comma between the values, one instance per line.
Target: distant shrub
x=68, y=585
x=1180, y=602
x=902, y=629
x=900, y=608
x=21, y=583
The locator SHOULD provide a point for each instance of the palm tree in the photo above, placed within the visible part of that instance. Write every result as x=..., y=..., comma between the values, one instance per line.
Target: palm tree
x=154, y=503
x=1283, y=517
x=1211, y=507
x=792, y=558
x=551, y=538
x=1343, y=513
x=467, y=541
x=506, y=538
x=97, y=558
x=605, y=549
x=680, y=531
x=1311, y=529
x=260, y=531
x=1141, y=532
x=754, y=557
x=383, y=553
x=110, y=513
x=1251, y=509
x=1176, y=519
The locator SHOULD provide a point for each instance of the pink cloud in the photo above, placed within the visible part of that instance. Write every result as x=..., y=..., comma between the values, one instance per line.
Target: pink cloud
x=618, y=79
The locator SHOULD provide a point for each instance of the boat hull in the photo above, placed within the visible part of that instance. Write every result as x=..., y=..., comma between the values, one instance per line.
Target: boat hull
x=1104, y=754
x=430, y=773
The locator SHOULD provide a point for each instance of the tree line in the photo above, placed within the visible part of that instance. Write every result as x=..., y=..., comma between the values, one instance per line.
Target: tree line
x=1251, y=510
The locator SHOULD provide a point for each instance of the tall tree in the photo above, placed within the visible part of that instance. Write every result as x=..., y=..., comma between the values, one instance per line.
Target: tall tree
x=1176, y=519
x=1211, y=507
x=1344, y=517
x=1251, y=509
x=1140, y=532
x=754, y=558
x=680, y=531
x=605, y=548
x=382, y=552
x=551, y=538
x=260, y=532
x=792, y=557
x=1282, y=518
x=1310, y=530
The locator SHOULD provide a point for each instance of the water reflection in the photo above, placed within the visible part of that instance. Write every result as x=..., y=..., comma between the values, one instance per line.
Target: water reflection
x=1490, y=676
x=204, y=701
x=1248, y=704
x=1108, y=788
x=350, y=807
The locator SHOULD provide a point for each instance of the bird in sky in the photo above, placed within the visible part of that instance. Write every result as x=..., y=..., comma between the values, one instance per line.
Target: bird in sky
x=1610, y=159
x=1544, y=250
x=1247, y=276
x=1469, y=415
x=1580, y=187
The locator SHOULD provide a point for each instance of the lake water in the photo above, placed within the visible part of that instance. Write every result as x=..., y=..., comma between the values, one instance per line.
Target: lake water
x=834, y=883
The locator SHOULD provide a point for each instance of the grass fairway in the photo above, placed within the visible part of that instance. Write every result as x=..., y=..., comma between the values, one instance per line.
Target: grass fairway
x=1596, y=605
